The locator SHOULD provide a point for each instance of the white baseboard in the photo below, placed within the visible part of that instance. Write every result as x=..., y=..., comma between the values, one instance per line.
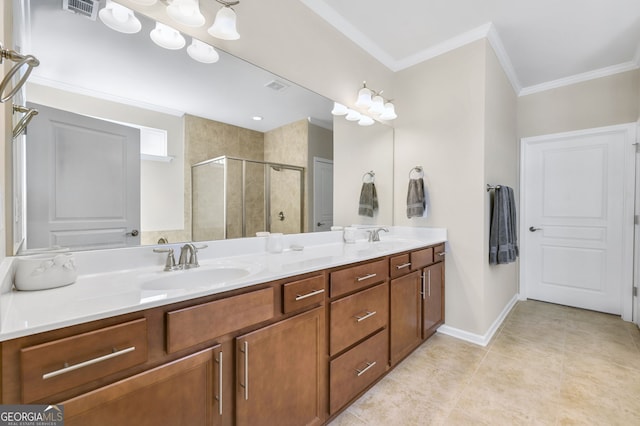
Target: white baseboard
x=482, y=340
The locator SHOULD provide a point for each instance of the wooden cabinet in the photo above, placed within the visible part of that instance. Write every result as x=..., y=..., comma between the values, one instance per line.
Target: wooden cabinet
x=406, y=315
x=279, y=373
x=178, y=393
x=433, y=304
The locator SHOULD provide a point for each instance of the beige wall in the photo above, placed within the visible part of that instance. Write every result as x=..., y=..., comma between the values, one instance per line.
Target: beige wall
x=594, y=103
x=358, y=150
x=440, y=126
x=500, y=167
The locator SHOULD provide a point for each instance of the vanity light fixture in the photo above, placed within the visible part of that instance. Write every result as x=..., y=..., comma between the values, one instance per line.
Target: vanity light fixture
x=375, y=104
x=353, y=115
x=224, y=26
x=186, y=12
x=389, y=112
x=202, y=52
x=165, y=36
x=365, y=120
x=339, y=109
x=119, y=18
x=364, y=97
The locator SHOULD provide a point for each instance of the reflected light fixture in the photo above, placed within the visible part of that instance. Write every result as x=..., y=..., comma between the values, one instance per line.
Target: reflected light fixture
x=202, y=52
x=353, y=115
x=165, y=36
x=339, y=109
x=119, y=18
x=365, y=120
x=186, y=12
x=224, y=26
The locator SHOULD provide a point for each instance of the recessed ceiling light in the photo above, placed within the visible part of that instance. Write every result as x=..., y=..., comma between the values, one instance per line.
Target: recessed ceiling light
x=257, y=118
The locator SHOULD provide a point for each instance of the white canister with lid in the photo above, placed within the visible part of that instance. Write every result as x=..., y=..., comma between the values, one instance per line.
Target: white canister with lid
x=44, y=271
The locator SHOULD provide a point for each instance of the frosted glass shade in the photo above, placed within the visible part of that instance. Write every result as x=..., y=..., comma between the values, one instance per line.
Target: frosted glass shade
x=366, y=121
x=119, y=18
x=377, y=105
x=389, y=112
x=224, y=26
x=202, y=52
x=364, y=98
x=165, y=36
x=353, y=115
x=339, y=109
x=186, y=12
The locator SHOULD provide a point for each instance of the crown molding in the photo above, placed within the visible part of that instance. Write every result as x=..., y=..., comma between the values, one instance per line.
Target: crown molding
x=578, y=78
x=505, y=61
x=55, y=84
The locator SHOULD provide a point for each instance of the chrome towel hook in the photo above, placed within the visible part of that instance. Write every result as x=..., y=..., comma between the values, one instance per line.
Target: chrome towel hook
x=24, y=121
x=20, y=60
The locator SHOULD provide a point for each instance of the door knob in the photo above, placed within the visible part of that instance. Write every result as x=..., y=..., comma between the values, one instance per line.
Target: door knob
x=320, y=223
x=533, y=229
x=133, y=233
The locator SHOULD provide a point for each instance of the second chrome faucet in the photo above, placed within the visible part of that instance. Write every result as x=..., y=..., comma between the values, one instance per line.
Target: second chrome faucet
x=188, y=257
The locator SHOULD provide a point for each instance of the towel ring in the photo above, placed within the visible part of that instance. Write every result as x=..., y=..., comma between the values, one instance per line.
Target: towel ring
x=492, y=187
x=417, y=169
x=20, y=60
x=372, y=177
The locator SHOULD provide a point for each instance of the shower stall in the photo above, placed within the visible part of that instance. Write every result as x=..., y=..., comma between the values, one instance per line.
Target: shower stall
x=236, y=197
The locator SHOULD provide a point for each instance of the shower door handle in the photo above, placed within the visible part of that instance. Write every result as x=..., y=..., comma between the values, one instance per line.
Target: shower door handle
x=281, y=216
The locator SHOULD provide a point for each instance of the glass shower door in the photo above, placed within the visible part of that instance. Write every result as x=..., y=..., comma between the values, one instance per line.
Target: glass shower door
x=285, y=193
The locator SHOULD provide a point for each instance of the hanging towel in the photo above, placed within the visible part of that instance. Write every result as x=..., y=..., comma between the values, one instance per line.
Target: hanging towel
x=416, y=202
x=368, y=199
x=503, y=239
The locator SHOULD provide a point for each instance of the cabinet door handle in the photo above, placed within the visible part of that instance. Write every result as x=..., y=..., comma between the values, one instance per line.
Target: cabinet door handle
x=310, y=294
x=423, y=289
x=219, y=398
x=245, y=385
x=366, y=277
x=442, y=254
x=68, y=368
x=429, y=277
x=365, y=316
x=404, y=265
x=364, y=370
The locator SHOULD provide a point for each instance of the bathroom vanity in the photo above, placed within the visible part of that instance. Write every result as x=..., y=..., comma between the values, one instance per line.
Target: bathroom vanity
x=292, y=343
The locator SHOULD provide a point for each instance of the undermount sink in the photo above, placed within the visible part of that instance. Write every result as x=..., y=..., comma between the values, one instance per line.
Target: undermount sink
x=202, y=277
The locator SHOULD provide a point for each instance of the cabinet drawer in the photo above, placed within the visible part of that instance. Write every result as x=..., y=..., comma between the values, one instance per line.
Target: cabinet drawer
x=356, y=277
x=422, y=258
x=303, y=293
x=400, y=265
x=438, y=253
x=356, y=369
x=62, y=364
x=197, y=324
x=356, y=316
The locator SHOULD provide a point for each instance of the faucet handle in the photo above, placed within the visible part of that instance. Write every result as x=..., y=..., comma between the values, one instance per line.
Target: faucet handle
x=170, y=264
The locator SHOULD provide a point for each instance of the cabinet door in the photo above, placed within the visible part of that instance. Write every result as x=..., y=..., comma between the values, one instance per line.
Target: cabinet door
x=433, y=306
x=406, y=315
x=280, y=379
x=177, y=393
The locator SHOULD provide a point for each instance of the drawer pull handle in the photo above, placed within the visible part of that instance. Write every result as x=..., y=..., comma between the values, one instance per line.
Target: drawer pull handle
x=69, y=368
x=365, y=316
x=310, y=294
x=404, y=265
x=366, y=277
x=442, y=254
x=364, y=370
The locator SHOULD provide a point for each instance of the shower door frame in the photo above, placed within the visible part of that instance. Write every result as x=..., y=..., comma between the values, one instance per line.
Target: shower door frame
x=267, y=190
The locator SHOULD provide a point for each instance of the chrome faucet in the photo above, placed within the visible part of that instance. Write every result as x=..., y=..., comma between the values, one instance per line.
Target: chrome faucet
x=170, y=263
x=374, y=234
x=192, y=260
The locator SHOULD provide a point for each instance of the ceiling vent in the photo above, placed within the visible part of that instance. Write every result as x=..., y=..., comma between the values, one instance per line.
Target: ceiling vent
x=277, y=85
x=88, y=8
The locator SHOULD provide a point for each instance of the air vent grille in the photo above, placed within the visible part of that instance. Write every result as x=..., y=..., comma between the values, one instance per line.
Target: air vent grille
x=88, y=8
x=277, y=85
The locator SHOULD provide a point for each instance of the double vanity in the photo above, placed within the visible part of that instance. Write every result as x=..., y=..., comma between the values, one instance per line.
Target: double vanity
x=248, y=338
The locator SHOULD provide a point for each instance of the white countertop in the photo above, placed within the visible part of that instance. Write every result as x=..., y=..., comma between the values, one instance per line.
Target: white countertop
x=120, y=281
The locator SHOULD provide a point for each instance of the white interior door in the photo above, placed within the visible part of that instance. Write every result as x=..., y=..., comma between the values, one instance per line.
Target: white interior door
x=83, y=180
x=322, y=194
x=577, y=229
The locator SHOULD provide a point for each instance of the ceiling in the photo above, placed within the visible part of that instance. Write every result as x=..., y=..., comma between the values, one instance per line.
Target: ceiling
x=540, y=43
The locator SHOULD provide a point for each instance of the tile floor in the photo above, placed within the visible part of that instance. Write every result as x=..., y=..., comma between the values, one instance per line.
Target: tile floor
x=547, y=365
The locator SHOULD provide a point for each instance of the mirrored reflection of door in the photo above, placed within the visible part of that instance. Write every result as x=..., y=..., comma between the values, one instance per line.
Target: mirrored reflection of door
x=208, y=207
x=83, y=176
x=285, y=199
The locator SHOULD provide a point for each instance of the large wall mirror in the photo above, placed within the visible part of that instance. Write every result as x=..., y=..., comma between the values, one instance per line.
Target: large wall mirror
x=136, y=144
